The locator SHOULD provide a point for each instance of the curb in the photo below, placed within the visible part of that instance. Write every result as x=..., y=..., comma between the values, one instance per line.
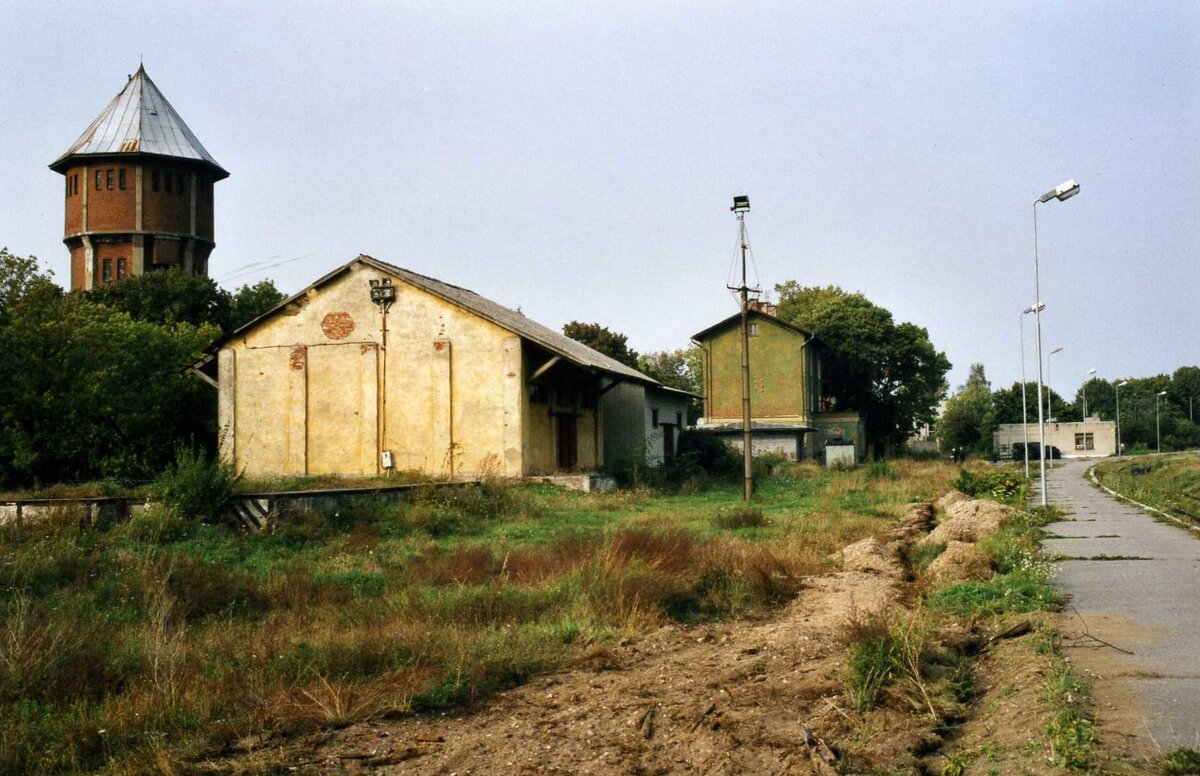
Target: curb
x=1091, y=475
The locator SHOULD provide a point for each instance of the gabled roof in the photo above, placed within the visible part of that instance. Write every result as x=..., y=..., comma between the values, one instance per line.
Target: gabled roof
x=505, y=318
x=736, y=318
x=140, y=120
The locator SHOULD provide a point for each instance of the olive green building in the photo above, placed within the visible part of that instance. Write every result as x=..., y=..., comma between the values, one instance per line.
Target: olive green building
x=792, y=411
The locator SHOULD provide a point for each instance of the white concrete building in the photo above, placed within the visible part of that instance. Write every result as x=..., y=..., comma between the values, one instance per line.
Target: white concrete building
x=1092, y=438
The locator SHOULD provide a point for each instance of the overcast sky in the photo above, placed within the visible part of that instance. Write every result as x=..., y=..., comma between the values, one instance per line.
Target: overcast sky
x=577, y=159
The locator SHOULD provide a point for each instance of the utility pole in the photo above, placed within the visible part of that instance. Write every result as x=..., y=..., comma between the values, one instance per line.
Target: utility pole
x=741, y=205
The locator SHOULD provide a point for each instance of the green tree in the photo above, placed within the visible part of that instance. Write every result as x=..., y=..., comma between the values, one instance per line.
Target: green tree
x=249, y=302
x=674, y=368
x=888, y=371
x=969, y=416
x=88, y=390
x=171, y=296
x=603, y=340
x=168, y=296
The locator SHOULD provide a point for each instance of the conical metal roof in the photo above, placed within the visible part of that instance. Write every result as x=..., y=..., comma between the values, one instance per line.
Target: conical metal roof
x=140, y=120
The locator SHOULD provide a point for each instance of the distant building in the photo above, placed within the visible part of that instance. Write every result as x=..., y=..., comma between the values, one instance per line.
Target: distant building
x=792, y=412
x=1093, y=438
x=139, y=191
x=375, y=367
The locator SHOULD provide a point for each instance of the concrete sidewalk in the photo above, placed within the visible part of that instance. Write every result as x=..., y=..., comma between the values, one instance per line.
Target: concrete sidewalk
x=1135, y=583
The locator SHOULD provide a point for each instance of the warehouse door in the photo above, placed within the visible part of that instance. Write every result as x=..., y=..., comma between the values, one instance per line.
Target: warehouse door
x=342, y=409
x=568, y=442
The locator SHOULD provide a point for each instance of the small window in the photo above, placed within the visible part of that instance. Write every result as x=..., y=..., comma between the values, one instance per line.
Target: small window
x=107, y=270
x=99, y=179
x=181, y=183
x=753, y=329
x=167, y=182
x=76, y=182
x=153, y=180
x=679, y=419
x=120, y=266
x=539, y=394
x=654, y=418
x=68, y=187
x=108, y=179
x=121, y=179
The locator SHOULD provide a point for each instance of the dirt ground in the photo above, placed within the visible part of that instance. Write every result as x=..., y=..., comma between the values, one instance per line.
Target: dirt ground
x=744, y=697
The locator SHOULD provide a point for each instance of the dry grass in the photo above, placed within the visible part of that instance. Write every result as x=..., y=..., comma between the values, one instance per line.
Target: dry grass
x=136, y=647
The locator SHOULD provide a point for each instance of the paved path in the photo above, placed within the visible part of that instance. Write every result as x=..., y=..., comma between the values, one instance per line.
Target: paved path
x=1150, y=607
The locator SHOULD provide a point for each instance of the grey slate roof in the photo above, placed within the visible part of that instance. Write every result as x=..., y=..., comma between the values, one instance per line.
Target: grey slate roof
x=140, y=120
x=502, y=316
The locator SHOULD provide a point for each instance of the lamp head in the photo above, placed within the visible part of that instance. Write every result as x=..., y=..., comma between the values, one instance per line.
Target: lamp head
x=1162, y=393
x=1056, y=350
x=741, y=204
x=1061, y=192
x=1123, y=383
x=1033, y=308
x=1091, y=371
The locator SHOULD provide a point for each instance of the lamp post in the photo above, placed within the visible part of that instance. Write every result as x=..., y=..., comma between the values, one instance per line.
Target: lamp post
x=1119, y=386
x=1024, y=406
x=1157, y=427
x=1050, y=391
x=1062, y=192
x=1091, y=374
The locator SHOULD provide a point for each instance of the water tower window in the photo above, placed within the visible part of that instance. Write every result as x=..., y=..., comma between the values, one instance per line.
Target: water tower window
x=167, y=182
x=108, y=179
x=121, y=179
x=99, y=179
x=107, y=270
x=120, y=268
x=154, y=180
x=182, y=183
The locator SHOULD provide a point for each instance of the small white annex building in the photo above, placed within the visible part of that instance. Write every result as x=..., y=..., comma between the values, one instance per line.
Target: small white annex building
x=1092, y=438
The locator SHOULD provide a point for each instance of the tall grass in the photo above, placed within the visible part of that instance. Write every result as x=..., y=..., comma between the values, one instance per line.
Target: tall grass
x=143, y=644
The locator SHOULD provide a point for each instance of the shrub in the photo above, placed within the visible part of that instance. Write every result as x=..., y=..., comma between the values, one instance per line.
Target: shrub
x=739, y=517
x=1182, y=762
x=1004, y=485
x=883, y=651
x=195, y=485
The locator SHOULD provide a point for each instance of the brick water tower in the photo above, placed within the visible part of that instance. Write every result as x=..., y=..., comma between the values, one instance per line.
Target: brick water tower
x=139, y=191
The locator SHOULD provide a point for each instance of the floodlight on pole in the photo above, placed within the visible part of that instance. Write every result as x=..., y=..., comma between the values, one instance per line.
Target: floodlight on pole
x=741, y=206
x=1091, y=374
x=1119, y=386
x=1157, y=426
x=1024, y=404
x=1062, y=192
x=1050, y=391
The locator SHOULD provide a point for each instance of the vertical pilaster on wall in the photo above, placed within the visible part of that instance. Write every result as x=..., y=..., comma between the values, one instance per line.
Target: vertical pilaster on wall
x=188, y=246
x=514, y=406
x=227, y=406
x=137, y=198
x=83, y=216
x=295, y=432
x=192, y=203
x=89, y=263
x=442, y=407
x=368, y=423
x=138, y=262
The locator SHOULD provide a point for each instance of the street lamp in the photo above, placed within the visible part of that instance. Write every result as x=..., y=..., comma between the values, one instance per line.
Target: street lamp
x=1061, y=192
x=1091, y=374
x=1157, y=427
x=1118, y=388
x=1024, y=406
x=1050, y=391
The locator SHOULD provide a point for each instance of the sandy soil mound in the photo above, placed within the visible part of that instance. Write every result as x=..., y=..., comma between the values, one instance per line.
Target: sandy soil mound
x=969, y=521
x=960, y=562
x=871, y=557
x=950, y=499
